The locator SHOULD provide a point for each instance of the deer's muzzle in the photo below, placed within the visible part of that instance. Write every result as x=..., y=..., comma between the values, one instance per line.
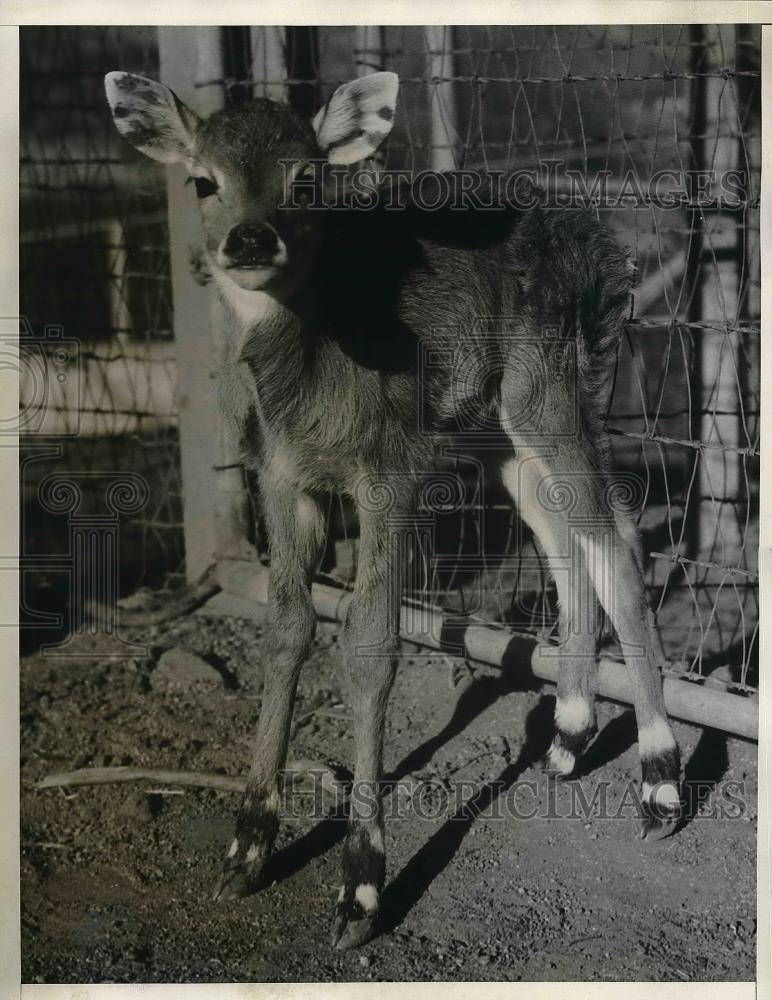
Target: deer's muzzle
x=250, y=246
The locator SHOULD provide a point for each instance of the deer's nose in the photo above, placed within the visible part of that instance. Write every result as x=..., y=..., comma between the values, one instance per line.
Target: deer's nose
x=250, y=245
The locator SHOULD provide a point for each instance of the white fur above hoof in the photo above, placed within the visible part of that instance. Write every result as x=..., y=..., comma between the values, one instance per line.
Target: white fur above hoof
x=560, y=761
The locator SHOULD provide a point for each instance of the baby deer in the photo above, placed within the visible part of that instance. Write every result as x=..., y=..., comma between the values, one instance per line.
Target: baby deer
x=330, y=311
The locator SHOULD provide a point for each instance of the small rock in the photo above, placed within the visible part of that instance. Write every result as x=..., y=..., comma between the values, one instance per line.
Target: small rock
x=137, y=808
x=179, y=667
x=364, y=961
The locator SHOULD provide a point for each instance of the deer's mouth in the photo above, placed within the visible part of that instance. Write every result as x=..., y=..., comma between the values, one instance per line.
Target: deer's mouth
x=254, y=276
x=258, y=265
x=253, y=273
x=274, y=262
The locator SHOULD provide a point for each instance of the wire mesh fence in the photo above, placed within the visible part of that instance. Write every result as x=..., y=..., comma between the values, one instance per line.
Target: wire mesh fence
x=98, y=378
x=644, y=123
x=613, y=113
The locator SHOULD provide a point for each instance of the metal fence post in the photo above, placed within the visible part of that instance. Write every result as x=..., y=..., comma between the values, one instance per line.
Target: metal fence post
x=368, y=48
x=302, y=48
x=269, y=72
x=442, y=104
x=716, y=387
x=214, y=500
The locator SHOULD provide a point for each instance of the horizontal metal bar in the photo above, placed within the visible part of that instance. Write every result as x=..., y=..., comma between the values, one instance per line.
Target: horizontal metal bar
x=97, y=411
x=145, y=359
x=695, y=445
x=665, y=77
x=671, y=414
x=707, y=324
x=500, y=647
x=683, y=561
x=95, y=227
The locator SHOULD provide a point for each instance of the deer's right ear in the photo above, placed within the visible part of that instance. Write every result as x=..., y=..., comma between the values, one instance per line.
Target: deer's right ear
x=151, y=117
x=357, y=118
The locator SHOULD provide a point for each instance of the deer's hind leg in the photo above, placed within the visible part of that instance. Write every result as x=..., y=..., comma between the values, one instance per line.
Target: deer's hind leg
x=578, y=614
x=564, y=498
x=295, y=522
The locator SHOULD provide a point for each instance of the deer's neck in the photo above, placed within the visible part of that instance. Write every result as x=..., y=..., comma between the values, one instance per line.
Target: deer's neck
x=262, y=355
x=246, y=309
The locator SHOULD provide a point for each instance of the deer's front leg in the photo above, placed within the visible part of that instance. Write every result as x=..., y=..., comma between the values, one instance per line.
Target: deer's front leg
x=371, y=640
x=295, y=523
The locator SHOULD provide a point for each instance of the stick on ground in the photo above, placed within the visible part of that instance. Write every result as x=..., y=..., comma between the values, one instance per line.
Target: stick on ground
x=332, y=784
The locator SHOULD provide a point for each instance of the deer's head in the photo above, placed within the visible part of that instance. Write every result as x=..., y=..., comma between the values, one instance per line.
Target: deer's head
x=234, y=159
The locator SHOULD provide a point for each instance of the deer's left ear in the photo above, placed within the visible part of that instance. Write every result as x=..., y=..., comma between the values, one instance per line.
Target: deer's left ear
x=357, y=118
x=152, y=118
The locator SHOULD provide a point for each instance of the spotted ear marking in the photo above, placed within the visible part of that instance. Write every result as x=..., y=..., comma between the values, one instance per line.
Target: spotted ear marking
x=357, y=118
x=151, y=117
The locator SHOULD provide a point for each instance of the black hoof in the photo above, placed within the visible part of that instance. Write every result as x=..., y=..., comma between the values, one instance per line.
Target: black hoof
x=353, y=926
x=659, y=821
x=234, y=884
x=364, y=874
x=661, y=799
x=242, y=872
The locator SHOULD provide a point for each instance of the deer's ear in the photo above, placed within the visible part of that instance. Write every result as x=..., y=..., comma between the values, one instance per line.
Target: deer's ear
x=151, y=117
x=357, y=118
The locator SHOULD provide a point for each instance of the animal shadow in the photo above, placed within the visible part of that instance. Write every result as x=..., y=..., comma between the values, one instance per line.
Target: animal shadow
x=430, y=860
x=472, y=702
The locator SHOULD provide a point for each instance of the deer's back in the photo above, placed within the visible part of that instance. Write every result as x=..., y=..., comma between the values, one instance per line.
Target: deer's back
x=409, y=312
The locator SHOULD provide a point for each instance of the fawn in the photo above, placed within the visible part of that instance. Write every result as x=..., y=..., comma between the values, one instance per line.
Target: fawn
x=328, y=310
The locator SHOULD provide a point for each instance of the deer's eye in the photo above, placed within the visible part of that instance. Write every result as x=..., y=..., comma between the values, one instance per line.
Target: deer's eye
x=204, y=187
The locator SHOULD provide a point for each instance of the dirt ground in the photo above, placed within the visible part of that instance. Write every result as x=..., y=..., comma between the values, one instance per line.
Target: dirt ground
x=117, y=879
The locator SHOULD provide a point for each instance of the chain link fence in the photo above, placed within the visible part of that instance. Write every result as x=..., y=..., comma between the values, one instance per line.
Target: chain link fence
x=619, y=115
